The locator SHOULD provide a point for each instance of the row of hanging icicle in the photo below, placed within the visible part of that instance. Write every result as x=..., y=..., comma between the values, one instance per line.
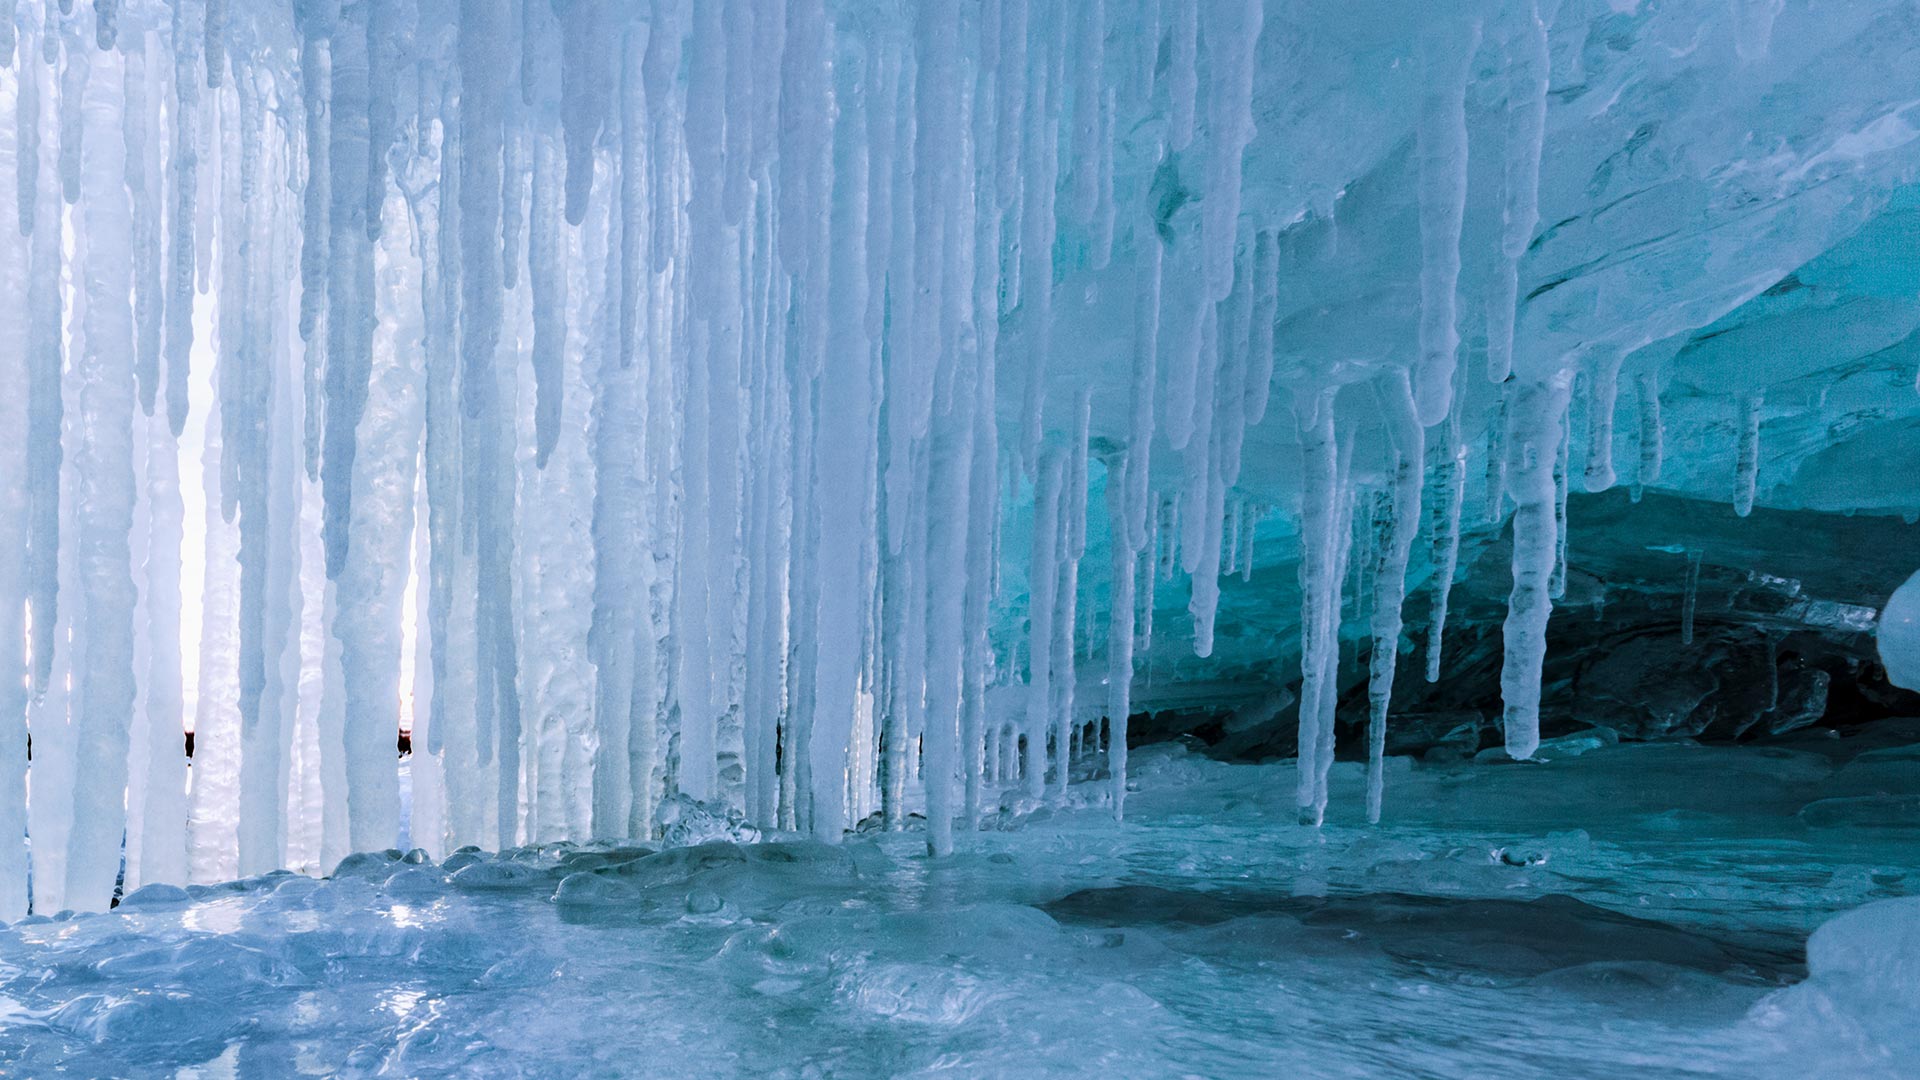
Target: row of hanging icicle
x=609, y=394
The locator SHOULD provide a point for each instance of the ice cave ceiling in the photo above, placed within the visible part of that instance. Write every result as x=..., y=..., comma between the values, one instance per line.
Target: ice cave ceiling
x=709, y=399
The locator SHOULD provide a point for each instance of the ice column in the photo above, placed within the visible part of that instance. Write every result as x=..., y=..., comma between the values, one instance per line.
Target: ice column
x=1538, y=418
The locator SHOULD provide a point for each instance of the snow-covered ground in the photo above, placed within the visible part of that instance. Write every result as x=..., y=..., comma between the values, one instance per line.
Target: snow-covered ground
x=1637, y=910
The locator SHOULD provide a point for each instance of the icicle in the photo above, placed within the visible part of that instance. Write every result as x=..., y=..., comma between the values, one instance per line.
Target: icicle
x=1232, y=32
x=76, y=61
x=1266, y=306
x=315, y=20
x=1037, y=227
x=216, y=31
x=1183, y=80
x=1527, y=71
x=27, y=124
x=1394, y=543
x=1557, y=585
x=1747, y=469
x=843, y=479
x=1450, y=484
x=388, y=28
x=545, y=275
x=949, y=499
x=585, y=82
x=1652, y=433
x=372, y=583
x=1602, y=391
x=1250, y=533
x=1089, y=59
x=1120, y=631
x=1043, y=578
x=16, y=470
x=1691, y=598
x=1441, y=147
x=141, y=129
x=212, y=826
x=1539, y=423
x=1497, y=433
x=1073, y=528
x=46, y=348
x=1230, y=562
x=1321, y=529
x=349, y=278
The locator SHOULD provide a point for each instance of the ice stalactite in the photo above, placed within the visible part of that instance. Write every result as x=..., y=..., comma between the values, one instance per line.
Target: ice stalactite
x=1446, y=511
x=184, y=181
x=1746, y=476
x=372, y=583
x=1120, y=627
x=1562, y=484
x=141, y=131
x=1232, y=32
x=949, y=496
x=104, y=684
x=544, y=233
x=1538, y=418
x=212, y=829
x=1323, y=538
x=1393, y=543
x=842, y=469
x=1603, y=389
x=1526, y=76
x=1043, y=579
x=1441, y=148
x=1495, y=508
x=1266, y=304
x=15, y=500
x=46, y=352
x=1183, y=79
x=1652, y=433
x=1073, y=547
x=350, y=272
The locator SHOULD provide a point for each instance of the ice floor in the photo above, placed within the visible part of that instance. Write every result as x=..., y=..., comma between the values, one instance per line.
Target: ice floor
x=1638, y=910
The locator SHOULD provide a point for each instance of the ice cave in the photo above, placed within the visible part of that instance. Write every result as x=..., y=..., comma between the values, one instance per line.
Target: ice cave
x=964, y=538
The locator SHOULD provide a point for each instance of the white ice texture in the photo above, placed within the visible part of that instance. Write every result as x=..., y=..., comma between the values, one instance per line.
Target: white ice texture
x=811, y=409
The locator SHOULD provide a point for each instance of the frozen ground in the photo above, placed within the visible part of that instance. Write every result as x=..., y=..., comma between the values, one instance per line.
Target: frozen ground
x=1640, y=910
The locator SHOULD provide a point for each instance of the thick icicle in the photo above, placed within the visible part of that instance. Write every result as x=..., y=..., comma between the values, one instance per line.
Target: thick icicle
x=182, y=248
x=1321, y=536
x=349, y=278
x=46, y=349
x=1527, y=70
x=1602, y=393
x=1394, y=542
x=1538, y=419
x=1043, y=580
x=1441, y=147
x=1652, y=433
x=104, y=687
x=1232, y=33
x=372, y=583
x=15, y=499
x=842, y=467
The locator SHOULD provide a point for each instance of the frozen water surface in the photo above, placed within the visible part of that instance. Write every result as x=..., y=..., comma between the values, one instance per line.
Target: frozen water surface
x=1548, y=928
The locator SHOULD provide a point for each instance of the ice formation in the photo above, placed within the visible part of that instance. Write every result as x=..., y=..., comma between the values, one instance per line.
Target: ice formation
x=808, y=409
